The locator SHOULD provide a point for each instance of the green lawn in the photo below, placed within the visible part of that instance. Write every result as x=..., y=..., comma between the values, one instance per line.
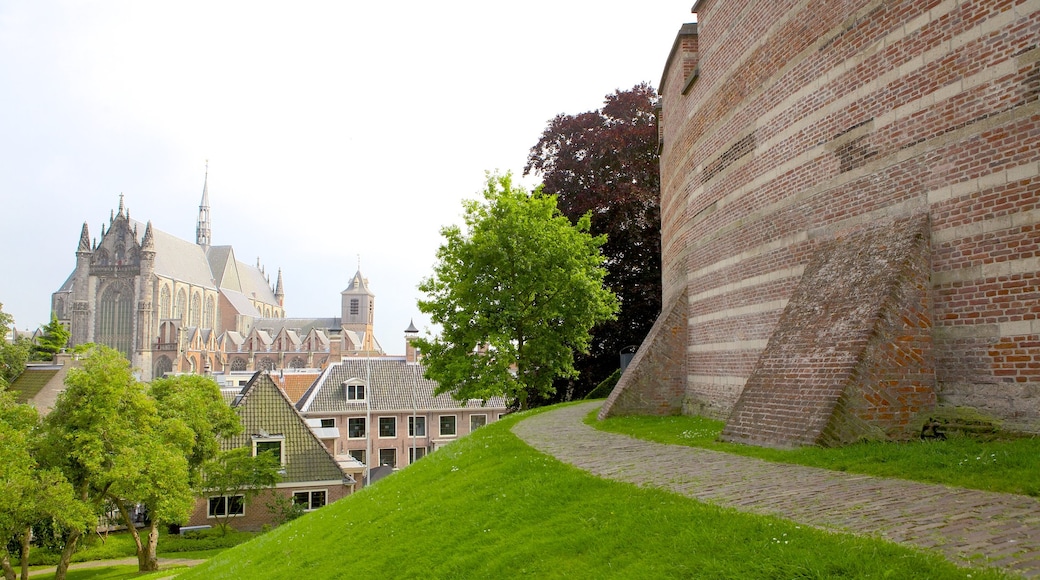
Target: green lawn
x=1010, y=465
x=489, y=506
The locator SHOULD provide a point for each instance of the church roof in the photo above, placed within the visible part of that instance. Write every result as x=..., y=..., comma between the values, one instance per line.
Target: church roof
x=240, y=303
x=179, y=259
x=303, y=325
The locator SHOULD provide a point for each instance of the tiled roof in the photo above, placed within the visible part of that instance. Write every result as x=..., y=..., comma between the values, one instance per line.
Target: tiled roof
x=294, y=385
x=179, y=259
x=264, y=408
x=303, y=325
x=29, y=383
x=394, y=385
x=240, y=302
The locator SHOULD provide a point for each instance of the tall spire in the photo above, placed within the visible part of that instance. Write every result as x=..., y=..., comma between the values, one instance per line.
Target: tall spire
x=202, y=233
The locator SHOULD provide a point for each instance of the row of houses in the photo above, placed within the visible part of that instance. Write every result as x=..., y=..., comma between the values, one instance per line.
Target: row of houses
x=334, y=430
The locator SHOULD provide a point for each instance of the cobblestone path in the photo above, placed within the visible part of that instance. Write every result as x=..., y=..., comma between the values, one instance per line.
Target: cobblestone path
x=1004, y=528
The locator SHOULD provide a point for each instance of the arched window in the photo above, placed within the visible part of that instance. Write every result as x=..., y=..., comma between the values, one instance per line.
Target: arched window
x=115, y=322
x=209, y=313
x=164, y=301
x=266, y=364
x=195, y=318
x=297, y=363
x=238, y=364
x=182, y=306
x=162, y=366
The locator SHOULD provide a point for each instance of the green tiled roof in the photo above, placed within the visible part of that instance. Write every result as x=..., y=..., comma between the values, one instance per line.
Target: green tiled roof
x=264, y=409
x=28, y=384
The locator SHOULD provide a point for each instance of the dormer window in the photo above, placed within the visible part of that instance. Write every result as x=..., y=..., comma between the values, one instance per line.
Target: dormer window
x=354, y=389
x=273, y=444
x=355, y=392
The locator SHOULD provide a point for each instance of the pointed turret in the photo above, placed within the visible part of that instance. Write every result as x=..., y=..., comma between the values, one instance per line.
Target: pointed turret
x=120, y=212
x=202, y=228
x=411, y=354
x=148, y=242
x=279, y=290
x=84, y=239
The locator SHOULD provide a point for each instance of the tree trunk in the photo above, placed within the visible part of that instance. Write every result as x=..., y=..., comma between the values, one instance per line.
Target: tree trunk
x=142, y=554
x=66, y=555
x=8, y=570
x=26, y=540
x=149, y=562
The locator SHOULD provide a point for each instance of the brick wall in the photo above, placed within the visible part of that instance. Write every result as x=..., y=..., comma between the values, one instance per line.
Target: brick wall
x=851, y=356
x=810, y=117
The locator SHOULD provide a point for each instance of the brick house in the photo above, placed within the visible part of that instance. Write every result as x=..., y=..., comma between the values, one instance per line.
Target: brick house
x=384, y=406
x=311, y=476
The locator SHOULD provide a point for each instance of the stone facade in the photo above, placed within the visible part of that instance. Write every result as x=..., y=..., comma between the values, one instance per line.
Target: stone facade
x=785, y=125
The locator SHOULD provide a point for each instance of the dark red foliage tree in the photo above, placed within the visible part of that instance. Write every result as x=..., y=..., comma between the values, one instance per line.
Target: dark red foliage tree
x=606, y=162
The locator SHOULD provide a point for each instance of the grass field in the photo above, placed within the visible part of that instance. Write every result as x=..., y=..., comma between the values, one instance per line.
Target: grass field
x=488, y=506
x=1010, y=465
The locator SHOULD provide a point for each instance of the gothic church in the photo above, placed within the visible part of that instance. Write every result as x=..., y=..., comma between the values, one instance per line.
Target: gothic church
x=173, y=306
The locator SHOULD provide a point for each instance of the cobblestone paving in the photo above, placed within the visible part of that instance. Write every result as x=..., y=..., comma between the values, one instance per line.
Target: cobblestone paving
x=1004, y=529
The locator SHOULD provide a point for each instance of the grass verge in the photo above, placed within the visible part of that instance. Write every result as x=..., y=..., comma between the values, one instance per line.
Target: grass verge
x=489, y=506
x=1009, y=466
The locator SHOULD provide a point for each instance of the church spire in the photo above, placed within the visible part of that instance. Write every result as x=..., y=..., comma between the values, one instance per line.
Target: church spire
x=84, y=239
x=202, y=233
x=279, y=290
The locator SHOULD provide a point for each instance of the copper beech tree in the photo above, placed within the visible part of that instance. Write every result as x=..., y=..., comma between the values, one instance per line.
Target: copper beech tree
x=605, y=163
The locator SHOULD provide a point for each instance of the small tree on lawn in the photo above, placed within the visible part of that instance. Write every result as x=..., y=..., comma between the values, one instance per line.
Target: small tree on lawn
x=515, y=296
x=31, y=493
x=104, y=435
x=237, y=473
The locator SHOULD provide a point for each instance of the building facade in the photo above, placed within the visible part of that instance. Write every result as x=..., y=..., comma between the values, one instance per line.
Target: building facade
x=850, y=215
x=172, y=306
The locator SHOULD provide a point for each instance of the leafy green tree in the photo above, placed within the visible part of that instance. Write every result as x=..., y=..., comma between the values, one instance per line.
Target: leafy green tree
x=31, y=493
x=55, y=337
x=12, y=355
x=106, y=437
x=606, y=161
x=196, y=402
x=237, y=472
x=515, y=296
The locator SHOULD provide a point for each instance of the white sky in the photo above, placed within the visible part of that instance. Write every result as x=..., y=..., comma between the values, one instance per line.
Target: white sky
x=332, y=129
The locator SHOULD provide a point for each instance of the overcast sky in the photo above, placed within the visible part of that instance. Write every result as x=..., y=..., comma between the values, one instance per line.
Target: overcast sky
x=332, y=129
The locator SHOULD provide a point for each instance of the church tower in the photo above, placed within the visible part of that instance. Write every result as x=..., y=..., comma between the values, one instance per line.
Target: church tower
x=202, y=233
x=358, y=310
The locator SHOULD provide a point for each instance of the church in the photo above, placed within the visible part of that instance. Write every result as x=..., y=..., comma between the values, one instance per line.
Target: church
x=173, y=306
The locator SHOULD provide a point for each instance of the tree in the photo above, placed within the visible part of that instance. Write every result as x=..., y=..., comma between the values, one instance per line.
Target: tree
x=13, y=355
x=104, y=434
x=31, y=493
x=235, y=474
x=606, y=162
x=55, y=337
x=515, y=296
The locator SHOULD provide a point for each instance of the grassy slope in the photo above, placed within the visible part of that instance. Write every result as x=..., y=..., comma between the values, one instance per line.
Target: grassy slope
x=1009, y=466
x=488, y=506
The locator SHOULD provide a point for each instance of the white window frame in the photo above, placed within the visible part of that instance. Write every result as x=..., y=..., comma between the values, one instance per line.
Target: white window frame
x=227, y=502
x=379, y=432
x=363, y=422
x=310, y=498
x=411, y=453
x=474, y=415
x=440, y=426
x=416, y=420
x=362, y=452
x=269, y=439
x=352, y=392
x=324, y=419
x=380, y=455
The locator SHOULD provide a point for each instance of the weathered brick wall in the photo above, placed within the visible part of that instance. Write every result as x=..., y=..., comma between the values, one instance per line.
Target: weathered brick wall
x=851, y=356
x=653, y=382
x=810, y=117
